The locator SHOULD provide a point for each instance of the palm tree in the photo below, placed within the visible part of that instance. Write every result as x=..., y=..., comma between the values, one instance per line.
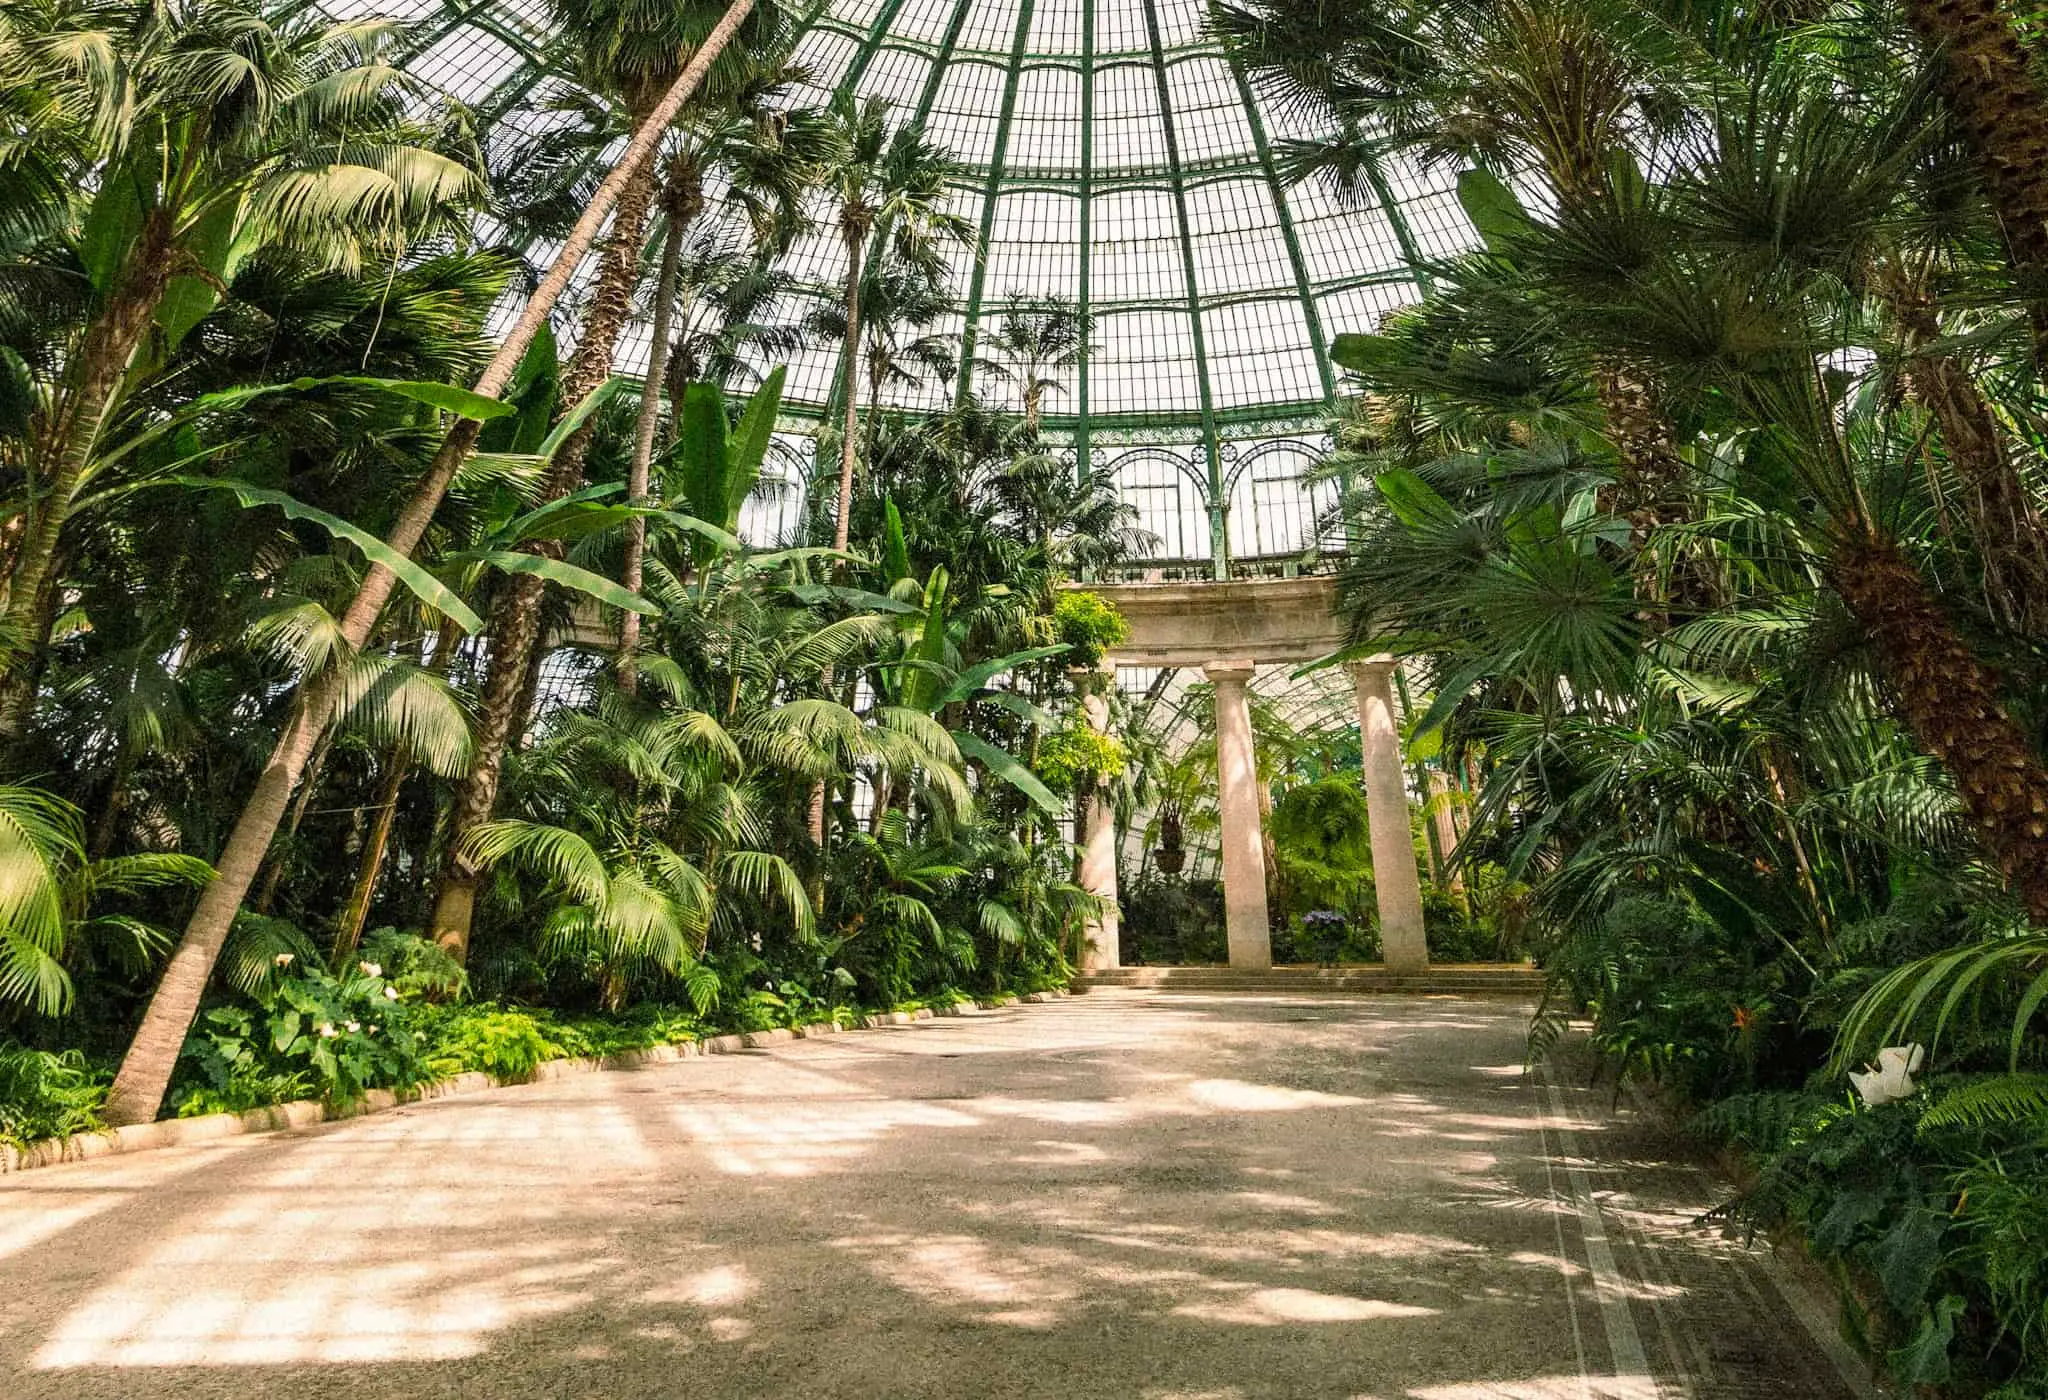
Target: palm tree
x=770, y=160
x=724, y=323
x=632, y=55
x=1993, y=88
x=899, y=302
x=52, y=884
x=213, y=129
x=1038, y=339
x=1562, y=90
x=892, y=181
x=145, y=1072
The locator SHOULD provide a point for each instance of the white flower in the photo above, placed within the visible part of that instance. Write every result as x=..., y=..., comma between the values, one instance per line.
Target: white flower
x=352, y=1026
x=326, y=1029
x=373, y=1030
x=1891, y=1078
x=283, y=959
x=370, y=969
x=391, y=994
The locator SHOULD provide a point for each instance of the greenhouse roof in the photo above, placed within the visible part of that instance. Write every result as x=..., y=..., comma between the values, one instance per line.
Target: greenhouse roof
x=1114, y=155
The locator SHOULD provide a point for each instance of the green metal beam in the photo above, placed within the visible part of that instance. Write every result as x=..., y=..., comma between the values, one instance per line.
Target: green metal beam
x=1318, y=342
x=870, y=42
x=1219, y=539
x=1411, y=251
x=940, y=58
x=1083, y=444
x=972, y=331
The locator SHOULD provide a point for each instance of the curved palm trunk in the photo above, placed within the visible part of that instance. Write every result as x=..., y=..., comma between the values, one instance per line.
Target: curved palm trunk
x=1948, y=698
x=2003, y=115
x=685, y=199
x=516, y=613
x=145, y=1073
x=64, y=441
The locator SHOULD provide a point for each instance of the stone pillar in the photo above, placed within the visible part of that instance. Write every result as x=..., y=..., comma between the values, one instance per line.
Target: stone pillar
x=1237, y=800
x=1386, y=800
x=1097, y=866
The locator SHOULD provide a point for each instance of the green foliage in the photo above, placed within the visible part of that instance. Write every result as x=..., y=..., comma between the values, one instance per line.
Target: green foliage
x=314, y=1033
x=507, y=1045
x=1671, y=996
x=1170, y=920
x=46, y=1094
x=1090, y=624
x=1321, y=841
x=1073, y=757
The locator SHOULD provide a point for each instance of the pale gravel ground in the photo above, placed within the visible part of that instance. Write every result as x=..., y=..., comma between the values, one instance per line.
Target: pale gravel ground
x=1161, y=1196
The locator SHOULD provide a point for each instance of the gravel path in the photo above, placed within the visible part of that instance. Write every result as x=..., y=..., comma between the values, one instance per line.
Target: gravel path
x=1162, y=1196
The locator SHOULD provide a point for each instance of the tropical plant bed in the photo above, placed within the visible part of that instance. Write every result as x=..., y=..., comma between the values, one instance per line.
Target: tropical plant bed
x=305, y=1113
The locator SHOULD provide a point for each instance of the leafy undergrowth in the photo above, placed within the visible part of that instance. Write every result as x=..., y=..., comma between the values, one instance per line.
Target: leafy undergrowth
x=316, y=1035
x=48, y=1094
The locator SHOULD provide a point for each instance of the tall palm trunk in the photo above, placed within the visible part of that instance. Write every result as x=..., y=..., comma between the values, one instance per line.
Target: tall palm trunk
x=516, y=612
x=63, y=444
x=348, y=930
x=2010, y=534
x=145, y=1073
x=684, y=198
x=1948, y=698
x=2003, y=115
x=854, y=231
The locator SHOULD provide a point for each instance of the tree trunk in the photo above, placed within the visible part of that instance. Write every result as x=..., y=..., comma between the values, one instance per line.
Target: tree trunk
x=855, y=237
x=316, y=766
x=680, y=215
x=2008, y=529
x=64, y=441
x=516, y=616
x=20, y=683
x=348, y=930
x=2003, y=116
x=856, y=242
x=138, y=1088
x=1948, y=698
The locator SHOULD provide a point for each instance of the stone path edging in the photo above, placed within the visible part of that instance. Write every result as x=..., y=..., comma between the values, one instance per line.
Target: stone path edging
x=304, y=1113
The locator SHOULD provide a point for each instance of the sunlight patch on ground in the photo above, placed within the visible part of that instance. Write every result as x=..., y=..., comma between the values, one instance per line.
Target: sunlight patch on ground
x=1028, y=1288
x=1236, y=1096
x=366, y=1312
x=1277, y=1307
x=804, y=1138
x=1560, y=1387
x=317, y=1258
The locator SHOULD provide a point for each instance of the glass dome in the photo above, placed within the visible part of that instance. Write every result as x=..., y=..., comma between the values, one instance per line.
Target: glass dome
x=1114, y=155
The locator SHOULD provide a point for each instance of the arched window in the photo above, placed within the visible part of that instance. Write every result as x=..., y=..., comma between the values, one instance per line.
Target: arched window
x=1168, y=493
x=1274, y=513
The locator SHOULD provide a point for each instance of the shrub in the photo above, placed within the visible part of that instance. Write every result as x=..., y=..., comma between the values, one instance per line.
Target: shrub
x=1072, y=756
x=313, y=1034
x=45, y=1094
x=506, y=1045
x=1090, y=624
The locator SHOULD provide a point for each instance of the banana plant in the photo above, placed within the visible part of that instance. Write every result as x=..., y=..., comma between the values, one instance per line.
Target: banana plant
x=929, y=676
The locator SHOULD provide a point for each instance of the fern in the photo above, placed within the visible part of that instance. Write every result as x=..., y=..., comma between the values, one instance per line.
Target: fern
x=1983, y=1103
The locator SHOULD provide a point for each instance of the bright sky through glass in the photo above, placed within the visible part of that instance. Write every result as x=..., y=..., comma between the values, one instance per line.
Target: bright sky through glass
x=1114, y=156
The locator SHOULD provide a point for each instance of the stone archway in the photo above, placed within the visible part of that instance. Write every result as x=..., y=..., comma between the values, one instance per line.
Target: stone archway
x=1227, y=629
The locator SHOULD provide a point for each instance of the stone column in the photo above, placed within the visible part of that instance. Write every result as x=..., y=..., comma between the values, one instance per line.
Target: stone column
x=1386, y=800
x=1237, y=799
x=1097, y=866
